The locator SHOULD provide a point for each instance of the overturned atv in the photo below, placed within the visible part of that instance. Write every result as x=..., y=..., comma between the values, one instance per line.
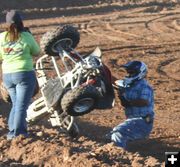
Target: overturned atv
x=71, y=85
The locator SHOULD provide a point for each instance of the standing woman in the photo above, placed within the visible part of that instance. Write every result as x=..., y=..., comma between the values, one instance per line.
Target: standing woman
x=16, y=49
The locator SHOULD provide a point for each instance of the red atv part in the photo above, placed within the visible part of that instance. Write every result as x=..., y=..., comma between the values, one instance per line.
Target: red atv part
x=91, y=82
x=107, y=74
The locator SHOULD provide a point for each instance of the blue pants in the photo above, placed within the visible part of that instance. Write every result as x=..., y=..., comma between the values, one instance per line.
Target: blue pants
x=131, y=129
x=20, y=86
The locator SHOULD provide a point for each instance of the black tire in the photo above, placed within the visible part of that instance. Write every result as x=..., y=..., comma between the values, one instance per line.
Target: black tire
x=65, y=36
x=80, y=100
x=73, y=131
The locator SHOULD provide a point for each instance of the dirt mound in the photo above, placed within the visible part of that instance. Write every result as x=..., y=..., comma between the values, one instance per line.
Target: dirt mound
x=148, y=30
x=61, y=151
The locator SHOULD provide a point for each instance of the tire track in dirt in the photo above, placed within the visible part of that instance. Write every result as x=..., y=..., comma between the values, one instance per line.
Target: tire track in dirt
x=165, y=24
x=176, y=24
x=169, y=68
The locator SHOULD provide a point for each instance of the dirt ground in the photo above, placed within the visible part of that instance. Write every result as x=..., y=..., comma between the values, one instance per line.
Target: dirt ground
x=147, y=30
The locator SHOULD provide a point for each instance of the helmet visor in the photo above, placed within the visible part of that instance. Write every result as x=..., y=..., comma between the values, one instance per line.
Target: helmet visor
x=132, y=72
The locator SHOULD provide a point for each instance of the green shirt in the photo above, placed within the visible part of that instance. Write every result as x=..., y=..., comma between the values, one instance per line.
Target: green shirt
x=17, y=56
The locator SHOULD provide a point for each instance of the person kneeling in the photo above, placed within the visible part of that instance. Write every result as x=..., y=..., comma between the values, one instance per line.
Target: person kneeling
x=137, y=97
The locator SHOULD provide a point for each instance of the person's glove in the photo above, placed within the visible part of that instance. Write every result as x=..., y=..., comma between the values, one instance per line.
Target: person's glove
x=124, y=102
x=120, y=92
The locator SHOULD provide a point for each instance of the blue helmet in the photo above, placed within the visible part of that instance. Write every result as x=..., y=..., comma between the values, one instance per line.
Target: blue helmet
x=137, y=70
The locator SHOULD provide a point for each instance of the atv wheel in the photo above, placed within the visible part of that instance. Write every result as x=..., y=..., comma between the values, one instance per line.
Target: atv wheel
x=73, y=131
x=66, y=37
x=80, y=100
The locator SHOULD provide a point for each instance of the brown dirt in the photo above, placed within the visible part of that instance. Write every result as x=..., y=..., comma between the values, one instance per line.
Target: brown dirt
x=148, y=30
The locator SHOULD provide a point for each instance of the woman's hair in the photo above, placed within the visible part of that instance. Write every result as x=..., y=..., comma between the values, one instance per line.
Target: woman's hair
x=14, y=30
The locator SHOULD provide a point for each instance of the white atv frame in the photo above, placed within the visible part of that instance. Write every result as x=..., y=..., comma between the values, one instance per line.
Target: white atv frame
x=63, y=95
